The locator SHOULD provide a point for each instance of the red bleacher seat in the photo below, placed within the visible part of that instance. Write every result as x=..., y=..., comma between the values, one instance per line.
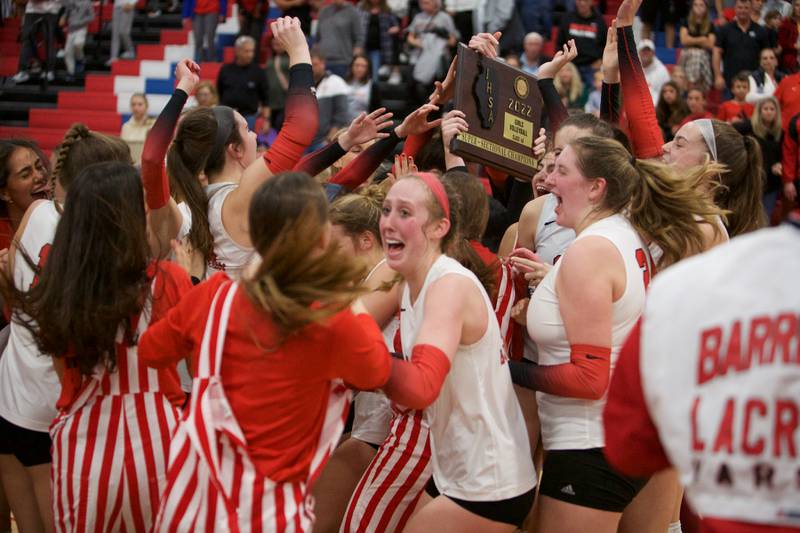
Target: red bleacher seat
x=99, y=83
x=174, y=36
x=150, y=51
x=125, y=67
x=90, y=101
x=8, y=65
x=210, y=71
x=228, y=54
x=64, y=118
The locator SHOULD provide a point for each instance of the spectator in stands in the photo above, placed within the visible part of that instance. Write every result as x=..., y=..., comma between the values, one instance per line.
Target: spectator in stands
x=76, y=18
x=297, y=8
x=788, y=95
x=773, y=20
x=463, y=12
x=134, y=131
x=570, y=87
x=593, y=101
x=121, y=23
x=669, y=12
x=364, y=94
x=430, y=35
x=788, y=37
x=765, y=126
x=242, y=84
x=765, y=79
x=532, y=57
x=332, y=93
x=737, y=109
x=513, y=61
x=340, y=34
x=696, y=101
x=757, y=14
x=381, y=31
x=502, y=16
x=587, y=27
x=206, y=94
x=24, y=178
x=738, y=47
x=277, y=85
x=725, y=11
x=252, y=14
x=205, y=15
x=782, y=7
x=655, y=72
x=40, y=16
x=670, y=110
x=790, y=170
x=536, y=16
x=678, y=76
x=697, y=39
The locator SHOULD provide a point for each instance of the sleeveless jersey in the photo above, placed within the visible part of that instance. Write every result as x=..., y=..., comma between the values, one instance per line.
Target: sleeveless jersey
x=228, y=257
x=573, y=423
x=479, y=444
x=29, y=386
x=550, y=244
x=720, y=371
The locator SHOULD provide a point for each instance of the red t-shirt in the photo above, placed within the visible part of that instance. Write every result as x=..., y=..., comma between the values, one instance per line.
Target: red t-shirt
x=171, y=283
x=733, y=110
x=788, y=95
x=278, y=393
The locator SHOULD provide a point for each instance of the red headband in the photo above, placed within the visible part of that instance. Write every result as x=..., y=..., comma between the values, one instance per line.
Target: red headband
x=437, y=188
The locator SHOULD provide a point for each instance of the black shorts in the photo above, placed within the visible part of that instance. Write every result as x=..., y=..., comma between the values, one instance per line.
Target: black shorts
x=512, y=511
x=584, y=477
x=30, y=447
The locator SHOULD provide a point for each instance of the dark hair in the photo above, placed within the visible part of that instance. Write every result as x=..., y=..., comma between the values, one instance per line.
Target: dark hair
x=7, y=148
x=473, y=203
x=316, y=52
x=669, y=115
x=82, y=147
x=288, y=215
x=665, y=207
x=368, y=77
x=431, y=155
x=742, y=181
x=743, y=76
x=95, y=279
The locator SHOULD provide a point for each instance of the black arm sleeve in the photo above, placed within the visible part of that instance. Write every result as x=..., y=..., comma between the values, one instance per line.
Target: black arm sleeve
x=610, y=103
x=556, y=112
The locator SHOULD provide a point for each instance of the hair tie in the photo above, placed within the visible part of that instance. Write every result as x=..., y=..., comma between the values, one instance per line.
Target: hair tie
x=437, y=188
x=707, y=131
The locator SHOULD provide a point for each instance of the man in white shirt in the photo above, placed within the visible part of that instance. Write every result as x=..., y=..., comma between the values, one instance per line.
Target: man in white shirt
x=532, y=58
x=655, y=72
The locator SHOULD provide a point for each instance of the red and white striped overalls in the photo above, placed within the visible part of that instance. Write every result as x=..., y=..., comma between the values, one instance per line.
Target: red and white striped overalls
x=212, y=484
x=110, y=447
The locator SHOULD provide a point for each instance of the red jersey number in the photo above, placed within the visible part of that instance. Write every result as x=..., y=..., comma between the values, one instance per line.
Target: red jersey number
x=641, y=259
x=43, y=253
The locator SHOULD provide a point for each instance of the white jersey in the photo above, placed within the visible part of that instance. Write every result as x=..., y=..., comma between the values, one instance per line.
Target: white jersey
x=29, y=386
x=550, y=244
x=479, y=443
x=229, y=256
x=373, y=410
x=720, y=347
x=573, y=423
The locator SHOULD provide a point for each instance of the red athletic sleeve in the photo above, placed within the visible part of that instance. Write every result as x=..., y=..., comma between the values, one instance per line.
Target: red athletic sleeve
x=360, y=358
x=636, y=100
x=585, y=376
x=414, y=143
x=790, y=152
x=300, y=123
x=416, y=383
x=178, y=333
x=154, y=175
x=362, y=167
x=632, y=443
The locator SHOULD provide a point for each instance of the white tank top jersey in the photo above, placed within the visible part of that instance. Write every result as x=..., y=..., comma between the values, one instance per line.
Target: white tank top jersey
x=550, y=244
x=573, y=423
x=373, y=410
x=722, y=328
x=479, y=444
x=229, y=257
x=29, y=385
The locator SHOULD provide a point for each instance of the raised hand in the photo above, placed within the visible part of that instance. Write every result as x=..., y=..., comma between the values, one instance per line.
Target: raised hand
x=366, y=127
x=486, y=44
x=443, y=90
x=403, y=166
x=627, y=12
x=417, y=122
x=540, y=144
x=289, y=35
x=187, y=72
x=453, y=123
x=610, y=64
x=568, y=52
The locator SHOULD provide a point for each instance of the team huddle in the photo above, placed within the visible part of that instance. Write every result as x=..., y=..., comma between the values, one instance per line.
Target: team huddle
x=188, y=342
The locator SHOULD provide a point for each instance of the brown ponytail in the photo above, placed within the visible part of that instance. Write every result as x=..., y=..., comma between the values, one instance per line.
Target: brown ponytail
x=665, y=208
x=82, y=147
x=288, y=217
x=741, y=182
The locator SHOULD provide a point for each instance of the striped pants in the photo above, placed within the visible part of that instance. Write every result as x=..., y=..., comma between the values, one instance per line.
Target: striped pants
x=109, y=462
x=390, y=488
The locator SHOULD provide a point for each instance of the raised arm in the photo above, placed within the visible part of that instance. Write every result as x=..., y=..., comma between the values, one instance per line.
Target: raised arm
x=556, y=112
x=609, y=95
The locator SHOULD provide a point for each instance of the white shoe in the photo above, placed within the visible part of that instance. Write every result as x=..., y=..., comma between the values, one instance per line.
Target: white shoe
x=21, y=77
x=395, y=78
x=110, y=62
x=384, y=71
x=49, y=75
x=128, y=55
x=61, y=53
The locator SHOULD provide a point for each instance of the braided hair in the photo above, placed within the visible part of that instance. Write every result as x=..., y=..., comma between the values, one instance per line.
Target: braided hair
x=82, y=147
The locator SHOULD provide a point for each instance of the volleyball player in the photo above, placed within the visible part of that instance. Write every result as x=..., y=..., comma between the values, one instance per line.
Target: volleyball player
x=24, y=177
x=273, y=353
x=95, y=295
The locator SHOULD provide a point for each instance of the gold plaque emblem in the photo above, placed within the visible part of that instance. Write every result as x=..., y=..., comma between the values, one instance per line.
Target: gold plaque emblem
x=521, y=87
